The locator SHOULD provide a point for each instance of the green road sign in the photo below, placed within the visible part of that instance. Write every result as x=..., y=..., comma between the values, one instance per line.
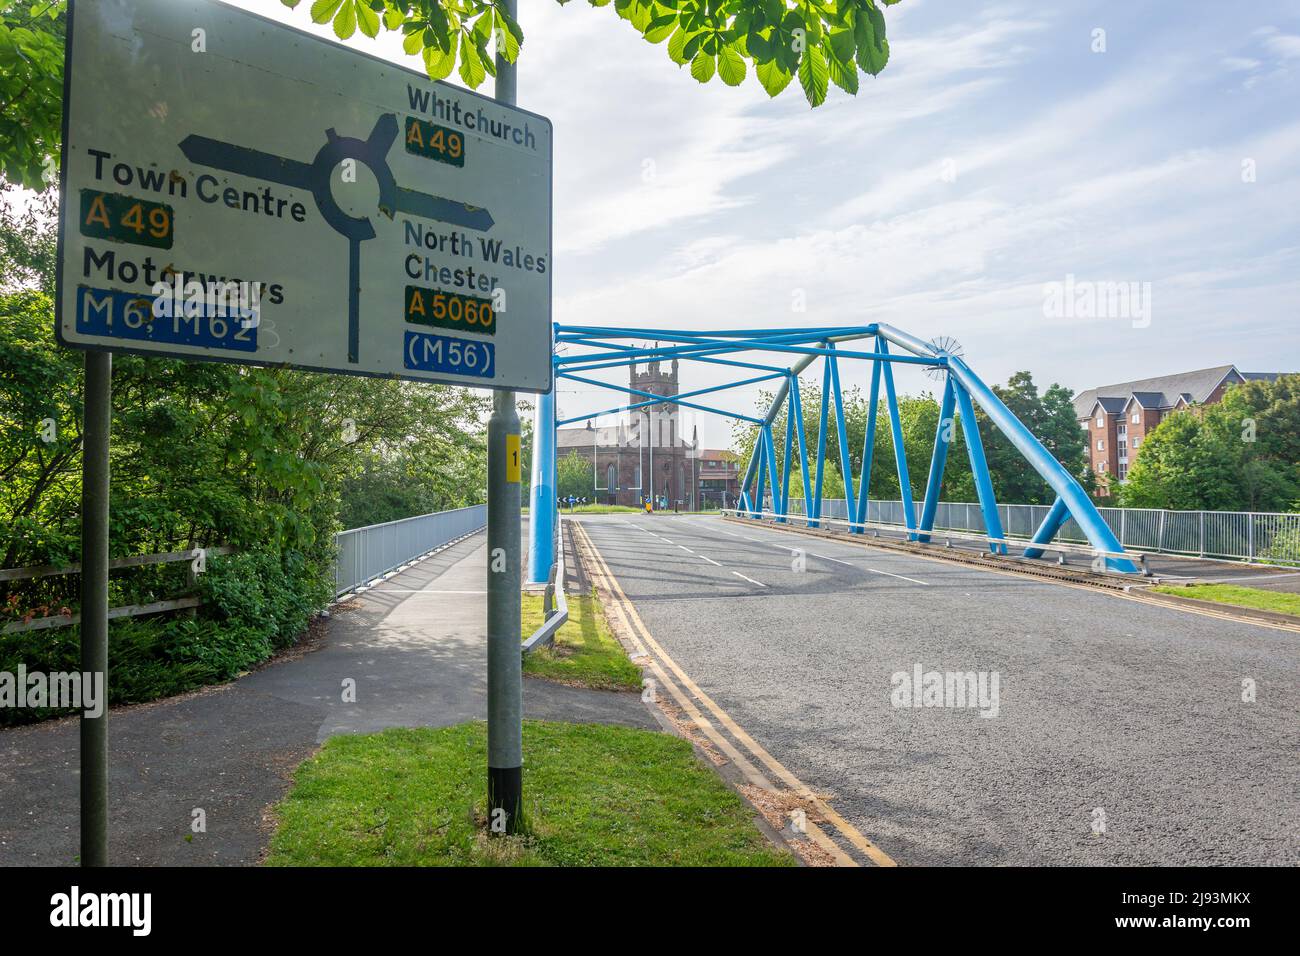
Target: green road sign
x=236, y=190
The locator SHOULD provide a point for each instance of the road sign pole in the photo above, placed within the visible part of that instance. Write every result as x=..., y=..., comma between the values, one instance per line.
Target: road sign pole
x=505, y=660
x=96, y=423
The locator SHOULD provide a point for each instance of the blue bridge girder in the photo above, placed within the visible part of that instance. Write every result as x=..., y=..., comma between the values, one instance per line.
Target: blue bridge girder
x=605, y=347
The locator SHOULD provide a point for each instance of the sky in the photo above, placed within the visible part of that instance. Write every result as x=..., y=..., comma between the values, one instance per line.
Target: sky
x=1007, y=147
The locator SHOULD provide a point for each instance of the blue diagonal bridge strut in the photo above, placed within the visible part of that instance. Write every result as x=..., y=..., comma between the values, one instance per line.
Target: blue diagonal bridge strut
x=591, y=348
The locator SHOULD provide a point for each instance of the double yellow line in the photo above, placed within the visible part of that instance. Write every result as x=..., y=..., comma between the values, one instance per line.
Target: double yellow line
x=694, y=702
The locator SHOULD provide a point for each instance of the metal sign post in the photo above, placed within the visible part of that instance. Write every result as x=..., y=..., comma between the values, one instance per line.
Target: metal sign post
x=505, y=661
x=96, y=423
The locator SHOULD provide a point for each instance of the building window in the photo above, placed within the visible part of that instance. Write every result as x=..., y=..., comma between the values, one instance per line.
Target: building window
x=1136, y=442
x=1101, y=444
x=1123, y=470
x=1101, y=421
x=611, y=478
x=1137, y=418
x=1101, y=466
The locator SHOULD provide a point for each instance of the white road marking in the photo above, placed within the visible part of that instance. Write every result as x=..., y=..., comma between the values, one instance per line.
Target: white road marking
x=872, y=570
x=750, y=580
x=686, y=549
x=663, y=539
x=708, y=559
x=825, y=557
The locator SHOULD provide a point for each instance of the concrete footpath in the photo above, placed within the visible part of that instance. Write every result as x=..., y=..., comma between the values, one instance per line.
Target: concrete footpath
x=415, y=645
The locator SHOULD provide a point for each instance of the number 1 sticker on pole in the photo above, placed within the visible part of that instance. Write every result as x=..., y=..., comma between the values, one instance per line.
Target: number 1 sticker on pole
x=274, y=198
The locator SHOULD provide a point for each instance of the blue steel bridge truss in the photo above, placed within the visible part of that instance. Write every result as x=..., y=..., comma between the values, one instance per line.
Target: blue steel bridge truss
x=606, y=348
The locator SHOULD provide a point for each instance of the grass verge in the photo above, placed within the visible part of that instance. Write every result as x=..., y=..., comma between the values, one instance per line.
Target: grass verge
x=1279, y=601
x=594, y=796
x=585, y=653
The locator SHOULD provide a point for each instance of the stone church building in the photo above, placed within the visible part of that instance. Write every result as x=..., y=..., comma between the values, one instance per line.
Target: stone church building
x=646, y=452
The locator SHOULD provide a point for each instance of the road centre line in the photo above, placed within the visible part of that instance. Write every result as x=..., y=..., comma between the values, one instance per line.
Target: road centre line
x=786, y=547
x=686, y=549
x=708, y=559
x=750, y=580
x=849, y=564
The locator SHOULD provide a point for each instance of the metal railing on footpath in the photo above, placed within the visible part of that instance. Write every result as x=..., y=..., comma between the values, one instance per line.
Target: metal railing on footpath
x=1272, y=537
x=555, y=606
x=365, y=554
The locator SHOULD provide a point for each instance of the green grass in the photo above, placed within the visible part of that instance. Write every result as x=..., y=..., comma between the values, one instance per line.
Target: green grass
x=1279, y=601
x=584, y=652
x=593, y=796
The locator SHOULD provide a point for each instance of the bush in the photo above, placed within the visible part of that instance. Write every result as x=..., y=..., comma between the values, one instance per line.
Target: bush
x=258, y=591
x=255, y=604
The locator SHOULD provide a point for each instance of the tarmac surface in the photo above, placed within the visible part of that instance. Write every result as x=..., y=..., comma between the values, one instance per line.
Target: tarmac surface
x=1122, y=734
x=414, y=644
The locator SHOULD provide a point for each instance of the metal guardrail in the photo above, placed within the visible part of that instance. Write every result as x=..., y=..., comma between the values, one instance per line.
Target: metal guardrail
x=555, y=606
x=947, y=535
x=365, y=554
x=1241, y=535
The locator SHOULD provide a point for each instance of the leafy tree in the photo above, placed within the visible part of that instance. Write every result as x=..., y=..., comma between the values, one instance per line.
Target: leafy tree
x=1242, y=454
x=573, y=476
x=1052, y=420
x=31, y=89
x=820, y=41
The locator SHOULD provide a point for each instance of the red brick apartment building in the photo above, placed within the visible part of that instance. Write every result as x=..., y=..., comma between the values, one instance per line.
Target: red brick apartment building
x=1118, y=418
x=719, y=478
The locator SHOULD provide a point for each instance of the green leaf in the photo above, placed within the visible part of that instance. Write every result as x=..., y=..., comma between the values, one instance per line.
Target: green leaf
x=843, y=74
x=322, y=11
x=702, y=67
x=367, y=19
x=413, y=43
x=677, y=46
x=813, y=75
x=661, y=28
x=842, y=44
x=873, y=48
x=509, y=35
x=731, y=66
x=471, y=67
x=773, y=76
x=438, y=63
x=345, y=22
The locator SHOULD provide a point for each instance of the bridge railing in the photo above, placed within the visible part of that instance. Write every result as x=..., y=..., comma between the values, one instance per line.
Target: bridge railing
x=1250, y=535
x=365, y=554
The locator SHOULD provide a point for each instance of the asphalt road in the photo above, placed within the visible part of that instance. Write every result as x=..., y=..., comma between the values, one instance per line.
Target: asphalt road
x=1113, y=715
